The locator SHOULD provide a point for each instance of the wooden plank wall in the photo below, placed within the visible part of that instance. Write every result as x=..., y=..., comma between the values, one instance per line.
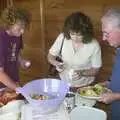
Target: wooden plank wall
x=4, y=4
x=33, y=41
x=56, y=12
x=47, y=20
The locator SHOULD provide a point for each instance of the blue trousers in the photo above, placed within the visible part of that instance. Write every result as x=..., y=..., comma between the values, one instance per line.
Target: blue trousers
x=115, y=107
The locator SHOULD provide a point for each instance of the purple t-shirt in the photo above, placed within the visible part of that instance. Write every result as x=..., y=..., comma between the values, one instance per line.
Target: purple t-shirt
x=9, y=51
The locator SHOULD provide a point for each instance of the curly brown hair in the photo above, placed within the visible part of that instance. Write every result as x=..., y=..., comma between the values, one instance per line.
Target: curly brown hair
x=12, y=15
x=79, y=23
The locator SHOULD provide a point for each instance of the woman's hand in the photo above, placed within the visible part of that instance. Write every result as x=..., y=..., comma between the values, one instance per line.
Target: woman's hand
x=60, y=66
x=74, y=74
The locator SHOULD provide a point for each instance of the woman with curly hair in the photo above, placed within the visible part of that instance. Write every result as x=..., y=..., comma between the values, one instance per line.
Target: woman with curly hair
x=13, y=22
x=80, y=51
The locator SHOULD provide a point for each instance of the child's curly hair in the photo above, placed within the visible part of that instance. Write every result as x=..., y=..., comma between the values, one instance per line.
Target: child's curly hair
x=12, y=15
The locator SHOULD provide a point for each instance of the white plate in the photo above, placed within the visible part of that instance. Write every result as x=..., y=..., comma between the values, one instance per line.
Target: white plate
x=81, y=101
x=91, y=97
x=87, y=113
x=94, y=97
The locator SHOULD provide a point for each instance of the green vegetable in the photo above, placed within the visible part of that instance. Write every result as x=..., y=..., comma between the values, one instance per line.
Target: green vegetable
x=99, y=89
x=95, y=90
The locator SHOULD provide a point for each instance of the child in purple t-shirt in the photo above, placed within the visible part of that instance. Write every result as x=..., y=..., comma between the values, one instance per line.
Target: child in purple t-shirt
x=14, y=21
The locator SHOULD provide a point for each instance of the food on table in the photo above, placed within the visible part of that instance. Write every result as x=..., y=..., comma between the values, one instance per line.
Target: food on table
x=1, y=105
x=7, y=96
x=99, y=89
x=94, y=91
x=88, y=92
x=39, y=97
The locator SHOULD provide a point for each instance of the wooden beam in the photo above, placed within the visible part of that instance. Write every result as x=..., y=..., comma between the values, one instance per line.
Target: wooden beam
x=42, y=21
x=42, y=27
x=9, y=3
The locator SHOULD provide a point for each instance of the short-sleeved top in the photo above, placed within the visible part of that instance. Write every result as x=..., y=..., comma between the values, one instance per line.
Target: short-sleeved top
x=115, y=85
x=9, y=51
x=86, y=57
x=115, y=77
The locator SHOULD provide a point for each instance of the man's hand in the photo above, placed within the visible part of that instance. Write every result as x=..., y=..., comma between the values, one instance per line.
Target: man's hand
x=109, y=97
x=105, y=84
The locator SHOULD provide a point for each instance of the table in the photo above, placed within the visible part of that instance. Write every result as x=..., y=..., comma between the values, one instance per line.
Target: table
x=12, y=111
x=29, y=113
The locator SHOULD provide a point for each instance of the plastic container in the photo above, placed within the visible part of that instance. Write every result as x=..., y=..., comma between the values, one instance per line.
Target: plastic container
x=30, y=113
x=54, y=88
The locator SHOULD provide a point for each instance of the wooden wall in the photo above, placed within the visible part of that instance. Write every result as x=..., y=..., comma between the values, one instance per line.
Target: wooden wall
x=4, y=4
x=47, y=21
x=34, y=45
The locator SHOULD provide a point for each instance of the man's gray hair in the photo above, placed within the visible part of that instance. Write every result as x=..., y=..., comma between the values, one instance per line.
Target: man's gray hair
x=113, y=15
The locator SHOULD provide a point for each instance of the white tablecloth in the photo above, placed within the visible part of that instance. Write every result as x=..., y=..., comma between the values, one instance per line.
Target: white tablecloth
x=28, y=114
x=12, y=110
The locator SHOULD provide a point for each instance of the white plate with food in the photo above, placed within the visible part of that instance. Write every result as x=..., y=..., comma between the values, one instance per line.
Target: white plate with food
x=93, y=92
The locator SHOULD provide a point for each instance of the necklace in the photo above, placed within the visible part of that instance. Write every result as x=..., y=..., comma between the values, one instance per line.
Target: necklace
x=77, y=46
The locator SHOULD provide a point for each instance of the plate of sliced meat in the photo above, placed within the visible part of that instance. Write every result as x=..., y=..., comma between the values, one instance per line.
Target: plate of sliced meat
x=7, y=95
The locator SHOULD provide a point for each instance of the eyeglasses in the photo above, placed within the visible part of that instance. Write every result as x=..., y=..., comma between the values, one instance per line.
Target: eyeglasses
x=106, y=35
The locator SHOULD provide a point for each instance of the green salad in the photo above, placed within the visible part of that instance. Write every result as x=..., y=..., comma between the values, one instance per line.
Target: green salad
x=95, y=90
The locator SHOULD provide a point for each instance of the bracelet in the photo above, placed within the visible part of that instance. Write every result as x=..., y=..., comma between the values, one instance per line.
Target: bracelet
x=85, y=73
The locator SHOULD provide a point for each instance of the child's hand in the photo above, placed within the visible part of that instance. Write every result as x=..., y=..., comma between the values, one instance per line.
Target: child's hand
x=25, y=64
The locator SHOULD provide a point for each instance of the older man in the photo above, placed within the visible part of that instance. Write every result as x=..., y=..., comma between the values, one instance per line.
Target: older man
x=111, y=33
